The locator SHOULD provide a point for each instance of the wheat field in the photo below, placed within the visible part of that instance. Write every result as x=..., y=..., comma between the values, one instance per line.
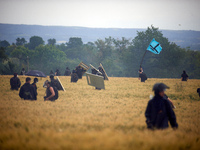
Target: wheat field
x=85, y=119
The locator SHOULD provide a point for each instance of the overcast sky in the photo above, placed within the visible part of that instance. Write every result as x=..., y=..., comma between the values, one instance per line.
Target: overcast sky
x=165, y=14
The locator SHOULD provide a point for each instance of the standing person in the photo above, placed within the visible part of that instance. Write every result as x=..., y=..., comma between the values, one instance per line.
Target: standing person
x=79, y=72
x=15, y=82
x=74, y=76
x=159, y=110
x=35, y=81
x=51, y=92
x=67, y=72
x=184, y=76
x=27, y=91
x=23, y=71
x=198, y=91
x=57, y=73
x=142, y=76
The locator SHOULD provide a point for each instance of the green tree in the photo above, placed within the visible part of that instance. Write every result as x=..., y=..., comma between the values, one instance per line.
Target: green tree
x=48, y=57
x=21, y=54
x=51, y=41
x=3, y=55
x=74, y=42
x=4, y=43
x=34, y=42
x=20, y=41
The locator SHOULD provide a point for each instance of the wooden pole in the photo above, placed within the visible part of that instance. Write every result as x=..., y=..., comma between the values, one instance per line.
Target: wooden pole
x=142, y=59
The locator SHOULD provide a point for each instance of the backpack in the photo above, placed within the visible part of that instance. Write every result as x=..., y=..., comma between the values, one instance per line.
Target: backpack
x=27, y=93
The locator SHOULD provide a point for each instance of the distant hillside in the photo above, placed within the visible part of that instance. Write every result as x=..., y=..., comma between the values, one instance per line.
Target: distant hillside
x=10, y=32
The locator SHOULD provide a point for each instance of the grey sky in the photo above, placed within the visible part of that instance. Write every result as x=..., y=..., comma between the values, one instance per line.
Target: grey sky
x=165, y=14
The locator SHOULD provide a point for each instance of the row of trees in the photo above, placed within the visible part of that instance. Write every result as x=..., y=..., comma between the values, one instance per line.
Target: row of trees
x=120, y=57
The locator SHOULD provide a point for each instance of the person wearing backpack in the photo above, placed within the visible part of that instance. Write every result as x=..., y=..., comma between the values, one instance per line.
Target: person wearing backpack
x=27, y=91
x=51, y=92
x=159, y=110
x=15, y=82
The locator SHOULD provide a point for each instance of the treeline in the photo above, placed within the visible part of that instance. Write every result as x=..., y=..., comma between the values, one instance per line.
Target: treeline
x=120, y=57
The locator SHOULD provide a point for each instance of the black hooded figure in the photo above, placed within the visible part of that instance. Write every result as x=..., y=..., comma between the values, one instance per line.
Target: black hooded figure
x=159, y=110
x=184, y=76
x=74, y=76
x=15, y=82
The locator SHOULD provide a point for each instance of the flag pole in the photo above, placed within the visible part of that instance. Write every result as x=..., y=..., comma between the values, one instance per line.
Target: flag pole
x=142, y=59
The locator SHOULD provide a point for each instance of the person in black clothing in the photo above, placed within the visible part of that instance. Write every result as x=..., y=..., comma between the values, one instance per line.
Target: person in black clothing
x=51, y=94
x=184, y=76
x=142, y=76
x=159, y=110
x=198, y=91
x=67, y=72
x=57, y=73
x=27, y=91
x=35, y=86
x=79, y=72
x=74, y=76
x=23, y=71
x=15, y=82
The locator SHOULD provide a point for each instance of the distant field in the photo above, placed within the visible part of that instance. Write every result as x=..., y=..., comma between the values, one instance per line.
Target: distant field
x=85, y=118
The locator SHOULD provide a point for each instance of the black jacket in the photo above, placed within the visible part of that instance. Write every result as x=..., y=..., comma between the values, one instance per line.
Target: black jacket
x=158, y=113
x=184, y=77
x=15, y=83
x=27, y=92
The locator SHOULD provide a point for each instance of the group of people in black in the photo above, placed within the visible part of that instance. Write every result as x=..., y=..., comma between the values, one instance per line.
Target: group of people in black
x=158, y=112
x=28, y=91
x=76, y=74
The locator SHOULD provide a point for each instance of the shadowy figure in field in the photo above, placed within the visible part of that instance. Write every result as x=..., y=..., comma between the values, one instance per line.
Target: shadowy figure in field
x=35, y=81
x=23, y=71
x=198, y=91
x=74, y=76
x=15, y=82
x=57, y=73
x=51, y=72
x=27, y=91
x=51, y=92
x=79, y=71
x=159, y=110
x=67, y=72
x=142, y=75
x=184, y=76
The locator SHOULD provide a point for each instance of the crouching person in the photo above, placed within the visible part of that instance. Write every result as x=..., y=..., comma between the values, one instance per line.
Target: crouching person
x=159, y=110
x=51, y=92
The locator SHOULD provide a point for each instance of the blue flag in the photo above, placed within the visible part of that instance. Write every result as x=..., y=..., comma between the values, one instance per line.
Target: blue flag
x=154, y=47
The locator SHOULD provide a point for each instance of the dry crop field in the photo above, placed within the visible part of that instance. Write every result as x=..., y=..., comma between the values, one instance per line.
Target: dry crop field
x=85, y=118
